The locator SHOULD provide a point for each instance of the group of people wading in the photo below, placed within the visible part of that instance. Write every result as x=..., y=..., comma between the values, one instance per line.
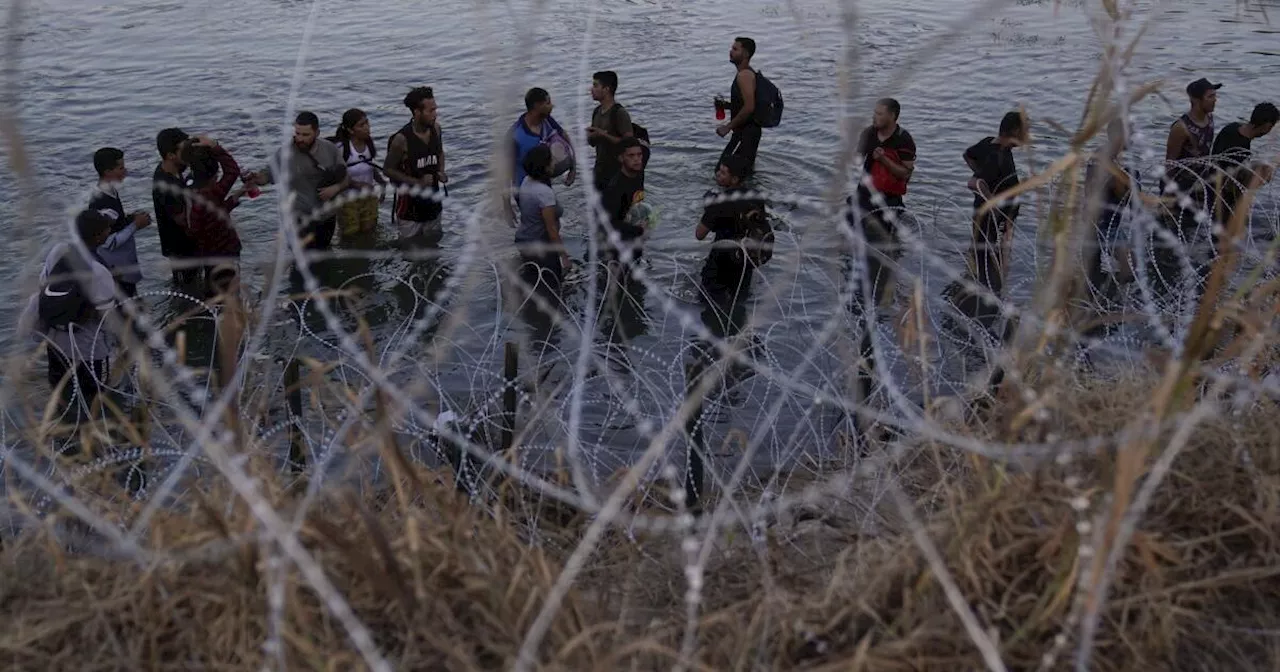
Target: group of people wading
x=337, y=183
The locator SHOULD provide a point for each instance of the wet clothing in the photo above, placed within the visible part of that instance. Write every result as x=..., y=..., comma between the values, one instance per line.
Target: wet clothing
x=524, y=139
x=359, y=164
x=170, y=208
x=310, y=171
x=744, y=142
x=531, y=199
x=727, y=271
x=1200, y=145
x=903, y=146
x=616, y=122
x=623, y=192
x=421, y=161
x=211, y=227
x=120, y=250
x=80, y=341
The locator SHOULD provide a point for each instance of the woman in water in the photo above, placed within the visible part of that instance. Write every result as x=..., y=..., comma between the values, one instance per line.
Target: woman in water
x=360, y=213
x=213, y=173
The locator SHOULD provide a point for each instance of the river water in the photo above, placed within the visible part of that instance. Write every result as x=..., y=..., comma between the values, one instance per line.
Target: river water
x=94, y=74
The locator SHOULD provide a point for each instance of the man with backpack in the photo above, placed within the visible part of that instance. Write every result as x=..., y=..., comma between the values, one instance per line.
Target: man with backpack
x=754, y=104
x=72, y=311
x=610, y=124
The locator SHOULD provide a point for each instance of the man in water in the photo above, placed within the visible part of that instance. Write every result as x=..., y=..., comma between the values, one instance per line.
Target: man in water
x=745, y=139
x=317, y=174
x=727, y=274
x=624, y=191
x=169, y=184
x=1233, y=151
x=73, y=311
x=537, y=127
x=1111, y=188
x=120, y=250
x=1190, y=143
x=610, y=125
x=889, y=159
x=415, y=159
x=1234, y=144
x=994, y=171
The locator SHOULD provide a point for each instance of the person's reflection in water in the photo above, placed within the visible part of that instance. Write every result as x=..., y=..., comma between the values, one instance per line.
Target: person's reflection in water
x=543, y=258
x=424, y=281
x=624, y=318
x=727, y=274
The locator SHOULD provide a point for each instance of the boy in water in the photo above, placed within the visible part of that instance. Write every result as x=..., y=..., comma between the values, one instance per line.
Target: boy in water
x=120, y=250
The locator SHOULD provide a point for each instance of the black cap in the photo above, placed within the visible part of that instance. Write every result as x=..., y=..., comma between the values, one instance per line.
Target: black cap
x=1201, y=86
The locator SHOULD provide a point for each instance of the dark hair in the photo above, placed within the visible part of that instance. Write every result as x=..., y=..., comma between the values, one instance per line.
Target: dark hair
x=90, y=223
x=308, y=119
x=342, y=136
x=106, y=158
x=534, y=97
x=737, y=166
x=1011, y=124
x=629, y=142
x=748, y=44
x=537, y=163
x=1263, y=114
x=204, y=166
x=414, y=99
x=892, y=105
x=170, y=140
x=608, y=79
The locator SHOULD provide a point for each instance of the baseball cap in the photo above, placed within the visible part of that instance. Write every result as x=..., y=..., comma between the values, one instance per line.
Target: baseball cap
x=1201, y=86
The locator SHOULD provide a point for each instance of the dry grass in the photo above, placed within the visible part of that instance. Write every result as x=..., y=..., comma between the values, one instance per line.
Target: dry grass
x=1197, y=588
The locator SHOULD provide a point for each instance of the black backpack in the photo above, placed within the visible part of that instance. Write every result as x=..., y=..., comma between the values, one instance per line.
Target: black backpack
x=640, y=132
x=62, y=302
x=769, y=104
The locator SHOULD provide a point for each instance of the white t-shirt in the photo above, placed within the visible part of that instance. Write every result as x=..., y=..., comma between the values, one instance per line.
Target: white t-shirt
x=79, y=342
x=359, y=168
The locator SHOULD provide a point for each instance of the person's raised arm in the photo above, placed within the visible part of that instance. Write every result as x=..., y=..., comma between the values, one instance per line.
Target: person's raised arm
x=230, y=172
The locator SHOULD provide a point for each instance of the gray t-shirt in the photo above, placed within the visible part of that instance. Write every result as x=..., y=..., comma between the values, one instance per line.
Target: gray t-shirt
x=307, y=177
x=87, y=342
x=532, y=198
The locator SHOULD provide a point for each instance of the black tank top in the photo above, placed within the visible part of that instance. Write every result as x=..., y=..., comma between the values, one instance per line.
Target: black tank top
x=1187, y=175
x=421, y=159
x=736, y=101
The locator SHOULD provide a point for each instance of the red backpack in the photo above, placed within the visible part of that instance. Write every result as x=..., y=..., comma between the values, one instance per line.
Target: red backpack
x=885, y=181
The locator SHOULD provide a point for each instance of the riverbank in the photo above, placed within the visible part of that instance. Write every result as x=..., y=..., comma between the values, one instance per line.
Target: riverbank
x=838, y=582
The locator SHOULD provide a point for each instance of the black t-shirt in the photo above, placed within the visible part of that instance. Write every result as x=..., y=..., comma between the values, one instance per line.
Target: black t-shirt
x=899, y=141
x=1230, y=148
x=726, y=264
x=623, y=192
x=995, y=166
x=170, y=206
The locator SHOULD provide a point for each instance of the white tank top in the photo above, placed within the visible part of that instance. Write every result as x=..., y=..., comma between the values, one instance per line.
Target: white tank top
x=358, y=166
